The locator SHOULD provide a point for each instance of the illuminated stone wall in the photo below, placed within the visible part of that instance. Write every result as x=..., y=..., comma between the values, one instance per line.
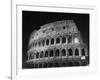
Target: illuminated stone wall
x=57, y=44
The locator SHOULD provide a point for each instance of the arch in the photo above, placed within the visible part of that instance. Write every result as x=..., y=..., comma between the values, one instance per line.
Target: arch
x=70, y=63
x=64, y=27
x=76, y=52
x=84, y=63
x=41, y=54
x=37, y=55
x=70, y=39
x=56, y=64
x=40, y=65
x=36, y=65
x=52, y=41
x=63, y=64
x=63, y=52
x=35, y=44
x=77, y=63
x=70, y=52
x=45, y=65
x=63, y=40
x=39, y=43
x=32, y=56
x=50, y=65
x=32, y=65
x=43, y=42
x=47, y=42
x=46, y=53
x=51, y=53
x=58, y=40
x=57, y=52
x=83, y=52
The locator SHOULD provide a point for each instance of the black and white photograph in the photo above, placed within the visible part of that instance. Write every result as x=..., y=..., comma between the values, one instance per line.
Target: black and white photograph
x=55, y=39
x=50, y=40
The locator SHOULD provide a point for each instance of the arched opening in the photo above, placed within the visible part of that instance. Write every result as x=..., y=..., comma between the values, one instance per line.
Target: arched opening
x=35, y=44
x=32, y=65
x=32, y=56
x=76, y=52
x=39, y=43
x=29, y=56
x=76, y=63
x=52, y=29
x=46, y=53
x=70, y=52
x=50, y=65
x=52, y=41
x=64, y=27
x=70, y=64
x=40, y=65
x=51, y=53
x=37, y=55
x=56, y=64
x=36, y=65
x=69, y=39
x=63, y=52
x=63, y=40
x=84, y=63
x=63, y=64
x=57, y=40
x=41, y=54
x=83, y=52
x=43, y=42
x=47, y=42
x=57, y=52
x=45, y=65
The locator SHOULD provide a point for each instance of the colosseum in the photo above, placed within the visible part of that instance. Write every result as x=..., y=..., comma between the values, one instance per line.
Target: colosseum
x=57, y=44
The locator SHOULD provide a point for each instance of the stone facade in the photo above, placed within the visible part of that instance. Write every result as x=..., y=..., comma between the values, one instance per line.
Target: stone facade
x=57, y=44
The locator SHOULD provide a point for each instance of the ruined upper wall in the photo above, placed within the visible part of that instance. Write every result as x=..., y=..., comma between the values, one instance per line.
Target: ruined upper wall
x=50, y=29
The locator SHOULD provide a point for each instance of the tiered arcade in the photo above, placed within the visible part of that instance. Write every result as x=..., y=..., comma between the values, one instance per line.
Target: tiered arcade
x=57, y=44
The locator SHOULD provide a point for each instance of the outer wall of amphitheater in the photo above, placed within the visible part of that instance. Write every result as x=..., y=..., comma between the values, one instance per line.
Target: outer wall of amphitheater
x=57, y=44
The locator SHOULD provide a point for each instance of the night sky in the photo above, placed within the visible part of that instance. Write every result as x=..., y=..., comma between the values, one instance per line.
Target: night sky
x=32, y=20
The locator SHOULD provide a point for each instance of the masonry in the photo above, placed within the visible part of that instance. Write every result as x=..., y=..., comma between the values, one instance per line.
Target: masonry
x=57, y=44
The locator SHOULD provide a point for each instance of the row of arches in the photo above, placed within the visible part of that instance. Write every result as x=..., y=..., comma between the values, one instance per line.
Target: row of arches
x=58, y=52
x=61, y=64
x=52, y=41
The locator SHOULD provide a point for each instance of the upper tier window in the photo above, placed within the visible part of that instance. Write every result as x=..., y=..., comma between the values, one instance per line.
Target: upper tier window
x=57, y=52
x=63, y=52
x=58, y=40
x=51, y=53
x=41, y=54
x=69, y=39
x=52, y=41
x=83, y=52
x=43, y=42
x=70, y=52
x=46, y=53
x=63, y=40
x=64, y=27
x=76, y=52
x=37, y=55
x=47, y=42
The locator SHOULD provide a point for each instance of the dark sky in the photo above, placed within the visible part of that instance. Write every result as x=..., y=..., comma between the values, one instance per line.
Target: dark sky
x=32, y=20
